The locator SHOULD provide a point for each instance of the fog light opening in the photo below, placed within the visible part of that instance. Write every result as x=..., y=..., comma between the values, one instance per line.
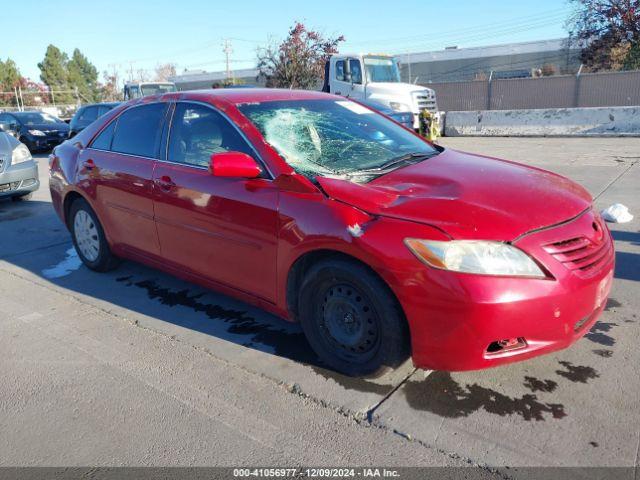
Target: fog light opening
x=501, y=346
x=581, y=323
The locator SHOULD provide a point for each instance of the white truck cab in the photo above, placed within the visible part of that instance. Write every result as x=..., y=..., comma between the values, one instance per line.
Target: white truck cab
x=142, y=89
x=376, y=77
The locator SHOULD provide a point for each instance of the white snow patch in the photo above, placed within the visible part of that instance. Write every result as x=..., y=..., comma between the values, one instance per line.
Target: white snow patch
x=70, y=263
x=617, y=213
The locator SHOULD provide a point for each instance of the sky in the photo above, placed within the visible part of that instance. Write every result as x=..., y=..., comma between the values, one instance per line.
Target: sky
x=132, y=35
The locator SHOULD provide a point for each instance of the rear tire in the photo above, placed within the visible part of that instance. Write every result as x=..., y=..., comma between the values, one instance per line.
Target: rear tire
x=89, y=239
x=352, y=320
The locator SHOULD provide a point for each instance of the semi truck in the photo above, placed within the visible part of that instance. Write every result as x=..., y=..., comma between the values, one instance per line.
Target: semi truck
x=376, y=77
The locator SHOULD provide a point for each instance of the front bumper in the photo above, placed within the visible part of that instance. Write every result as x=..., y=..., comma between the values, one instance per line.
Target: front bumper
x=19, y=179
x=45, y=143
x=454, y=318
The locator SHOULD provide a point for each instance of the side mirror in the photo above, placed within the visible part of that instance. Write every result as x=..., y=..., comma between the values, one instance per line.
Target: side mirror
x=234, y=164
x=5, y=127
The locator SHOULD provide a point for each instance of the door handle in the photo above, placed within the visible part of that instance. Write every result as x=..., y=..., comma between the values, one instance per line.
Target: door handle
x=89, y=164
x=165, y=183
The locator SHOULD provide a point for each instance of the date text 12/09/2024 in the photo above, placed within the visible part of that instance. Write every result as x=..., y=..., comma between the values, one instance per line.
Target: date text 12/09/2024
x=316, y=472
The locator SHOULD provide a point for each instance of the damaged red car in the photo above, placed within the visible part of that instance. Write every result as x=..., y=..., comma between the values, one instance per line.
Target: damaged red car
x=324, y=212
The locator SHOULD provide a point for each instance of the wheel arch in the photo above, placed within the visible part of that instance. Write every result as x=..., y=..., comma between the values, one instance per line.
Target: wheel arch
x=304, y=262
x=68, y=200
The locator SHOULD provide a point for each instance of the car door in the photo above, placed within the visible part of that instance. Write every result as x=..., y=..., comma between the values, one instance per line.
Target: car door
x=117, y=171
x=223, y=229
x=341, y=82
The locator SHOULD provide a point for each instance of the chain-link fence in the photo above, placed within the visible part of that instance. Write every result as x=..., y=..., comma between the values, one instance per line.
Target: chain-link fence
x=608, y=89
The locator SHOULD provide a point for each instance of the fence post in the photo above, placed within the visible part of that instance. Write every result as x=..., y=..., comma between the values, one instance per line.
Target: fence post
x=576, y=93
x=489, y=90
x=21, y=97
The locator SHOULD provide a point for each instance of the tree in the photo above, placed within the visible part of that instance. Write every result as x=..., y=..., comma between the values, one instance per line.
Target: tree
x=54, y=73
x=605, y=28
x=164, y=72
x=110, y=90
x=298, y=62
x=9, y=79
x=632, y=60
x=83, y=76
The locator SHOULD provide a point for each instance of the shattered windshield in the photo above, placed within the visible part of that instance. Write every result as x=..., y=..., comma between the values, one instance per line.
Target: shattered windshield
x=320, y=137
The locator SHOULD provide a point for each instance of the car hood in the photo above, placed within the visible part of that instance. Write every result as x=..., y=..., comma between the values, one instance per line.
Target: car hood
x=467, y=196
x=48, y=127
x=7, y=144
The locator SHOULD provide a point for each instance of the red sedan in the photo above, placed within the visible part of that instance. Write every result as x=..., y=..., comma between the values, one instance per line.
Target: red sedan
x=322, y=211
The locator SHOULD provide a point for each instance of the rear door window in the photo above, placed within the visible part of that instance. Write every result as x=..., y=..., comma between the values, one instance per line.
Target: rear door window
x=138, y=130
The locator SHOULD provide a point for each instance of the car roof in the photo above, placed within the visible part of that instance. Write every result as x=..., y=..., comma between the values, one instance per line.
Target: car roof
x=249, y=95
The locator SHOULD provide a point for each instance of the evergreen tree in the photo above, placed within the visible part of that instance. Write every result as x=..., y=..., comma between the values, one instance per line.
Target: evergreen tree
x=632, y=61
x=9, y=79
x=54, y=73
x=83, y=76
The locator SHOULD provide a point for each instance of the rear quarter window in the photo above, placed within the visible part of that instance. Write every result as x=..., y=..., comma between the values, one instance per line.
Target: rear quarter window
x=103, y=140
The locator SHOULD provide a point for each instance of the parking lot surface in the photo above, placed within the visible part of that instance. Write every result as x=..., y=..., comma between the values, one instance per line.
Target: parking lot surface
x=135, y=367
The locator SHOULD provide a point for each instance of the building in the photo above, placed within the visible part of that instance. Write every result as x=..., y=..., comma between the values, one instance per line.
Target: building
x=514, y=60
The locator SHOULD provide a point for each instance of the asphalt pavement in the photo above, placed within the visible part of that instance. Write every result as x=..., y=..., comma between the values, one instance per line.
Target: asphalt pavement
x=135, y=367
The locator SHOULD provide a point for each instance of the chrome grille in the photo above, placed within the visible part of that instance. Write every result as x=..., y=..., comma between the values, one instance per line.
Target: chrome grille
x=425, y=100
x=581, y=253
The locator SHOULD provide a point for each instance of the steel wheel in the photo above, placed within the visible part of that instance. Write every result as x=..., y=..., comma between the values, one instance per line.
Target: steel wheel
x=86, y=234
x=349, y=323
x=351, y=319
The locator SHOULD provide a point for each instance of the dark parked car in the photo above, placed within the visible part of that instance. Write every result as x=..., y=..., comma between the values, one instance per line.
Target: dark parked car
x=87, y=114
x=39, y=131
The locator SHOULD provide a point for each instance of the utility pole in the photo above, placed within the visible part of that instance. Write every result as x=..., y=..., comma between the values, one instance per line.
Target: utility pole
x=228, y=50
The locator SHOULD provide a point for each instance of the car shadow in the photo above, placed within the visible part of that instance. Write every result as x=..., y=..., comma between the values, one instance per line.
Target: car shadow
x=35, y=240
x=46, y=250
x=627, y=263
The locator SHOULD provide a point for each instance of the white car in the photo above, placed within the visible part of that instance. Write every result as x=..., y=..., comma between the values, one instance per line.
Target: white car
x=18, y=169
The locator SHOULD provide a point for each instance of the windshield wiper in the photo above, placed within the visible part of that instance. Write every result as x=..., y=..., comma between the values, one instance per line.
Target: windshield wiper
x=408, y=157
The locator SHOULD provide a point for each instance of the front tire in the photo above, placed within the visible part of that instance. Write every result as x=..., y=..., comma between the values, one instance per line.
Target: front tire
x=89, y=239
x=352, y=320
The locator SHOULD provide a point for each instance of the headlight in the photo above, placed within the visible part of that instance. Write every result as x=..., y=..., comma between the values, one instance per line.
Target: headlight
x=474, y=256
x=37, y=133
x=20, y=154
x=399, y=107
